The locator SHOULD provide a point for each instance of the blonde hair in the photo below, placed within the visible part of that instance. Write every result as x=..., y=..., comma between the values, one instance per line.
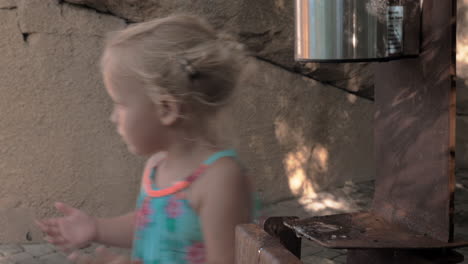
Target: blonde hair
x=180, y=55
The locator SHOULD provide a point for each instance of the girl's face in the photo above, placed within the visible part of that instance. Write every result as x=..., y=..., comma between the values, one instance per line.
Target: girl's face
x=135, y=115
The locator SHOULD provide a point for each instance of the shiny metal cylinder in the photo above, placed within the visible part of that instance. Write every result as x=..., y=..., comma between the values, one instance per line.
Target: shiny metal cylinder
x=356, y=30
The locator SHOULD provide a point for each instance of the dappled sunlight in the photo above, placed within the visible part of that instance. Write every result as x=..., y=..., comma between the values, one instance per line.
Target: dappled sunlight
x=306, y=165
x=341, y=200
x=281, y=131
x=285, y=135
x=402, y=97
x=462, y=52
x=295, y=163
x=320, y=159
x=302, y=166
x=351, y=98
x=325, y=201
x=462, y=59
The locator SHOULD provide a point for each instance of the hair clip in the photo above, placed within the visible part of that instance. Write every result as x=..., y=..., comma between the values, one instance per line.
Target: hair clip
x=188, y=67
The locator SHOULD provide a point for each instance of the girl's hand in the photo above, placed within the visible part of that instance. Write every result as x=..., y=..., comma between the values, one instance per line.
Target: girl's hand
x=101, y=256
x=74, y=230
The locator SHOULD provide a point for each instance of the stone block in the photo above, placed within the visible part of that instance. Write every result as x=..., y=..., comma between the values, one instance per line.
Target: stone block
x=38, y=250
x=55, y=258
x=10, y=249
x=24, y=258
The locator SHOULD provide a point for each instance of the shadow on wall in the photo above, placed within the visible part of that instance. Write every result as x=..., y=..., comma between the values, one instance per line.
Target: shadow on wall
x=300, y=138
x=307, y=165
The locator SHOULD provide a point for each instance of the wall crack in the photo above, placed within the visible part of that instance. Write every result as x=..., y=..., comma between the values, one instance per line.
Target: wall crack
x=107, y=12
x=19, y=25
x=25, y=37
x=357, y=94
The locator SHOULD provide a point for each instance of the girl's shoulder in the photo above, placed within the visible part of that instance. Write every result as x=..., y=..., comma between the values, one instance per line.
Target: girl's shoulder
x=227, y=166
x=154, y=160
x=225, y=173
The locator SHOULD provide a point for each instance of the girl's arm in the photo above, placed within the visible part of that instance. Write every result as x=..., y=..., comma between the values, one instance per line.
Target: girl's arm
x=225, y=202
x=116, y=231
x=76, y=229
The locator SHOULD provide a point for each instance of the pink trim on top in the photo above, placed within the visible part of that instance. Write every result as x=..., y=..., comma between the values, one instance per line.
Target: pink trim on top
x=176, y=187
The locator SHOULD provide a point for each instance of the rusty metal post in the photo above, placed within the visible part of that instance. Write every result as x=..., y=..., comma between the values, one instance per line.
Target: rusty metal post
x=415, y=140
x=415, y=132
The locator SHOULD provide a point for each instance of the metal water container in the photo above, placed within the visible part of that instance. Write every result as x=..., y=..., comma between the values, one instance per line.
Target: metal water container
x=357, y=30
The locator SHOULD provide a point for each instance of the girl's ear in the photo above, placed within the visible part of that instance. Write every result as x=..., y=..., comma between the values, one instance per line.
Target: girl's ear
x=168, y=110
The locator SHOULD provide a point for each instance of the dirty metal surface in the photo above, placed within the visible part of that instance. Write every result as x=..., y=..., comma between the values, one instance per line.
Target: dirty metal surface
x=414, y=130
x=287, y=237
x=363, y=230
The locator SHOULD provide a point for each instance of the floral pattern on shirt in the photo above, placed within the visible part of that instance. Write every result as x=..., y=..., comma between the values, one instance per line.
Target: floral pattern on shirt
x=144, y=213
x=174, y=207
x=196, y=253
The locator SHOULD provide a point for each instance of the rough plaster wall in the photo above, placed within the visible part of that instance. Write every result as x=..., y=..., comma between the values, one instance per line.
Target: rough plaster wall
x=299, y=136
x=56, y=141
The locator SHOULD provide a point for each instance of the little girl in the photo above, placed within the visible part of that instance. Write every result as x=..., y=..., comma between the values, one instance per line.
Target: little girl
x=168, y=78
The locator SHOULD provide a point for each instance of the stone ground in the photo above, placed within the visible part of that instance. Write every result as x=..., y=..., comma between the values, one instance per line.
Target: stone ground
x=351, y=197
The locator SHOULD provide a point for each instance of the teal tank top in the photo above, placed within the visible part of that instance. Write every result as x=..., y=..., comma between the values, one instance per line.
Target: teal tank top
x=168, y=230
